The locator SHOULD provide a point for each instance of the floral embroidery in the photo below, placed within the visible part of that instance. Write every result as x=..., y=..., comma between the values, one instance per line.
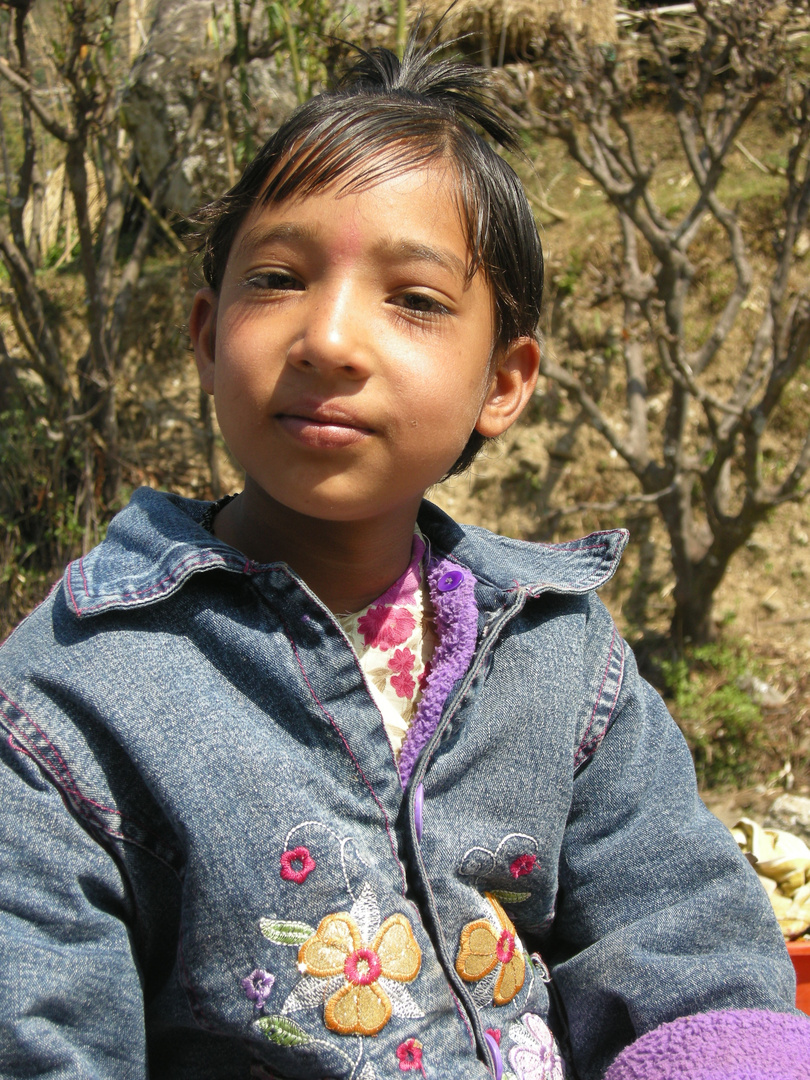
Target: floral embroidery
x=541, y=967
x=523, y=864
x=535, y=1055
x=363, y=1003
x=488, y=945
x=258, y=986
x=384, y=627
x=496, y=1034
x=409, y=1056
x=491, y=870
x=297, y=865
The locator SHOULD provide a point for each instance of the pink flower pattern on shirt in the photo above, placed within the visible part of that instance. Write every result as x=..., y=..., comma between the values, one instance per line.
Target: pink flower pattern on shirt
x=394, y=638
x=384, y=627
x=402, y=681
x=403, y=684
x=402, y=661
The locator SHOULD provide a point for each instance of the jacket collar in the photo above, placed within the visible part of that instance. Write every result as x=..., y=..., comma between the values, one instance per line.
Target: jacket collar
x=159, y=541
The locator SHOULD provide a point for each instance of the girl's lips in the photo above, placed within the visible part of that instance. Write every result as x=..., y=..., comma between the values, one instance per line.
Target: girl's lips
x=322, y=434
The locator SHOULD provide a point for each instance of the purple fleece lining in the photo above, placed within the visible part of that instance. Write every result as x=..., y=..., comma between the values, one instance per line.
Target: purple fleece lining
x=457, y=629
x=744, y=1044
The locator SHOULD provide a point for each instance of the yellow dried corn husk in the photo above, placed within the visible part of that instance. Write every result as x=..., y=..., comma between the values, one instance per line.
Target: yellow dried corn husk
x=782, y=863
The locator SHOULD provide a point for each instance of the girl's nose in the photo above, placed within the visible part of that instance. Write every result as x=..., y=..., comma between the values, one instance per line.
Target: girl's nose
x=334, y=336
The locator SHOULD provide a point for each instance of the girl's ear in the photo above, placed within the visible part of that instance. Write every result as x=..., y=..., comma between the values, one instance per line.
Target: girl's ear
x=512, y=385
x=202, y=328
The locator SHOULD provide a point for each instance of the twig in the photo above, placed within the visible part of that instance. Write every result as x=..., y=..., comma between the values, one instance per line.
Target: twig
x=755, y=161
x=146, y=203
x=545, y=206
x=605, y=508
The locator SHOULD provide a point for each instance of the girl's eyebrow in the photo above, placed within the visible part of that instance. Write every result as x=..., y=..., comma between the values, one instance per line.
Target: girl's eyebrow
x=261, y=234
x=413, y=251
x=391, y=249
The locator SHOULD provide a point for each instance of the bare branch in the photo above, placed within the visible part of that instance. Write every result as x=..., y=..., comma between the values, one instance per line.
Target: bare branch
x=51, y=125
x=598, y=420
x=768, y=170
x=609, y=507
x=39, y=340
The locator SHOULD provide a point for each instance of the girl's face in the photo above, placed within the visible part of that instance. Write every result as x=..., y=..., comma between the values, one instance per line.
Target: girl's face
x=348, y=355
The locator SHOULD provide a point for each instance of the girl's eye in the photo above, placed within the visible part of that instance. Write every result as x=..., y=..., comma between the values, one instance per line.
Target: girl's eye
x=422, y=303
x=273, y=280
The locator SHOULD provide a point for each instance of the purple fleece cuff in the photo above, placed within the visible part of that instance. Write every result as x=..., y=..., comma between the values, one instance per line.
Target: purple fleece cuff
x=735, y=1045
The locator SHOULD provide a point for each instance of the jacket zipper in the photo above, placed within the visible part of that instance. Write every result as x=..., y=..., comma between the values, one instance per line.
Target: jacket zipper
x=492, y=632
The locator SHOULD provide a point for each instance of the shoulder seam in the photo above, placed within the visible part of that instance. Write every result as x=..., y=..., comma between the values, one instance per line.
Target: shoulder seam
x=28, y=738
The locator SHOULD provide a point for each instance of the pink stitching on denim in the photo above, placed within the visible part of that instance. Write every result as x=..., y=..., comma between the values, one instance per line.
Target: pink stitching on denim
x=191, y=561
x=599, y=695
x=69, y=788
x=460, y=1010
x=27, y=739
x=84, y=576
x=443, y=936
x=67, y=791
x=63, y=772
x=68, y=577
x=334, y=724
x=355, y=660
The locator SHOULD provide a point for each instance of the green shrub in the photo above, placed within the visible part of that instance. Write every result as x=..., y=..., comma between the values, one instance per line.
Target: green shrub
x=719, y=719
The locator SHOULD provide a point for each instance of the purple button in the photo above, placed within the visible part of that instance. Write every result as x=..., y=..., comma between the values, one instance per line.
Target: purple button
x=449, y=581
x=495, y=1050
x=418, y=805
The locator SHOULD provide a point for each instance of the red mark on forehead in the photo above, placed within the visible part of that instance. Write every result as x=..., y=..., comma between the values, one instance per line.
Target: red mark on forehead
x=347, y=240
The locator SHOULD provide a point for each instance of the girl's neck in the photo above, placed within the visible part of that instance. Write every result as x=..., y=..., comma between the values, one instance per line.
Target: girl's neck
x=347, y=564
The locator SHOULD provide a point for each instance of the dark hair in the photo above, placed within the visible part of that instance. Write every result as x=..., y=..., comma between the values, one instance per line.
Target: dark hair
x=403, y=114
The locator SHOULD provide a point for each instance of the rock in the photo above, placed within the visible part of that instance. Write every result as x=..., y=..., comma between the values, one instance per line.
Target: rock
x=177, y=69
x=791, y=813
x=762, y=693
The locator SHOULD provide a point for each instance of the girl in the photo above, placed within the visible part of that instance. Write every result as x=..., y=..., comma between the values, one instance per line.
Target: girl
x=314, y=782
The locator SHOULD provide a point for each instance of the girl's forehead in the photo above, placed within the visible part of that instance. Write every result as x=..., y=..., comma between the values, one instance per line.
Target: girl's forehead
x=421, y=201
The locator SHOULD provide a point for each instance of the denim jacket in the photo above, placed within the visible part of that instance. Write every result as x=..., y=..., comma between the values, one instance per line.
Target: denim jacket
x=209, y=867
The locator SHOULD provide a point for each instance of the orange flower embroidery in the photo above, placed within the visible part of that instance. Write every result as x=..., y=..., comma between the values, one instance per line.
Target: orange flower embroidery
x=369, y=975
x=484, y=946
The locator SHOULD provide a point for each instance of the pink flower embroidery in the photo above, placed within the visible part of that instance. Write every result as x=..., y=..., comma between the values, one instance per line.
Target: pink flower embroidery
x=297, y=865
x=401, y=661
x=409, y=1055
x=403, y=684
x=496, y=1034
x=384, y=627
x=523, y=864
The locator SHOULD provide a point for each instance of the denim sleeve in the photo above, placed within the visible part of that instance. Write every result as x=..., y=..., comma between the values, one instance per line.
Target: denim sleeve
x=659, y=915
x=70, y=996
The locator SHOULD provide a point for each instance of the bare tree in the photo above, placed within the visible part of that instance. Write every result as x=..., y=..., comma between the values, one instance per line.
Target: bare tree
x=703, y=467
x=80, y=112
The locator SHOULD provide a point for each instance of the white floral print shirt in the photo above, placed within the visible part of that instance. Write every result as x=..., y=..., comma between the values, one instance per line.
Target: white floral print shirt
x=394, y=638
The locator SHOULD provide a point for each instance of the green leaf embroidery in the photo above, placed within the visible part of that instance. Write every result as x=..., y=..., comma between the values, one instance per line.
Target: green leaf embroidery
x=286, y=933
x=507, y=897
x=279, y=1029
